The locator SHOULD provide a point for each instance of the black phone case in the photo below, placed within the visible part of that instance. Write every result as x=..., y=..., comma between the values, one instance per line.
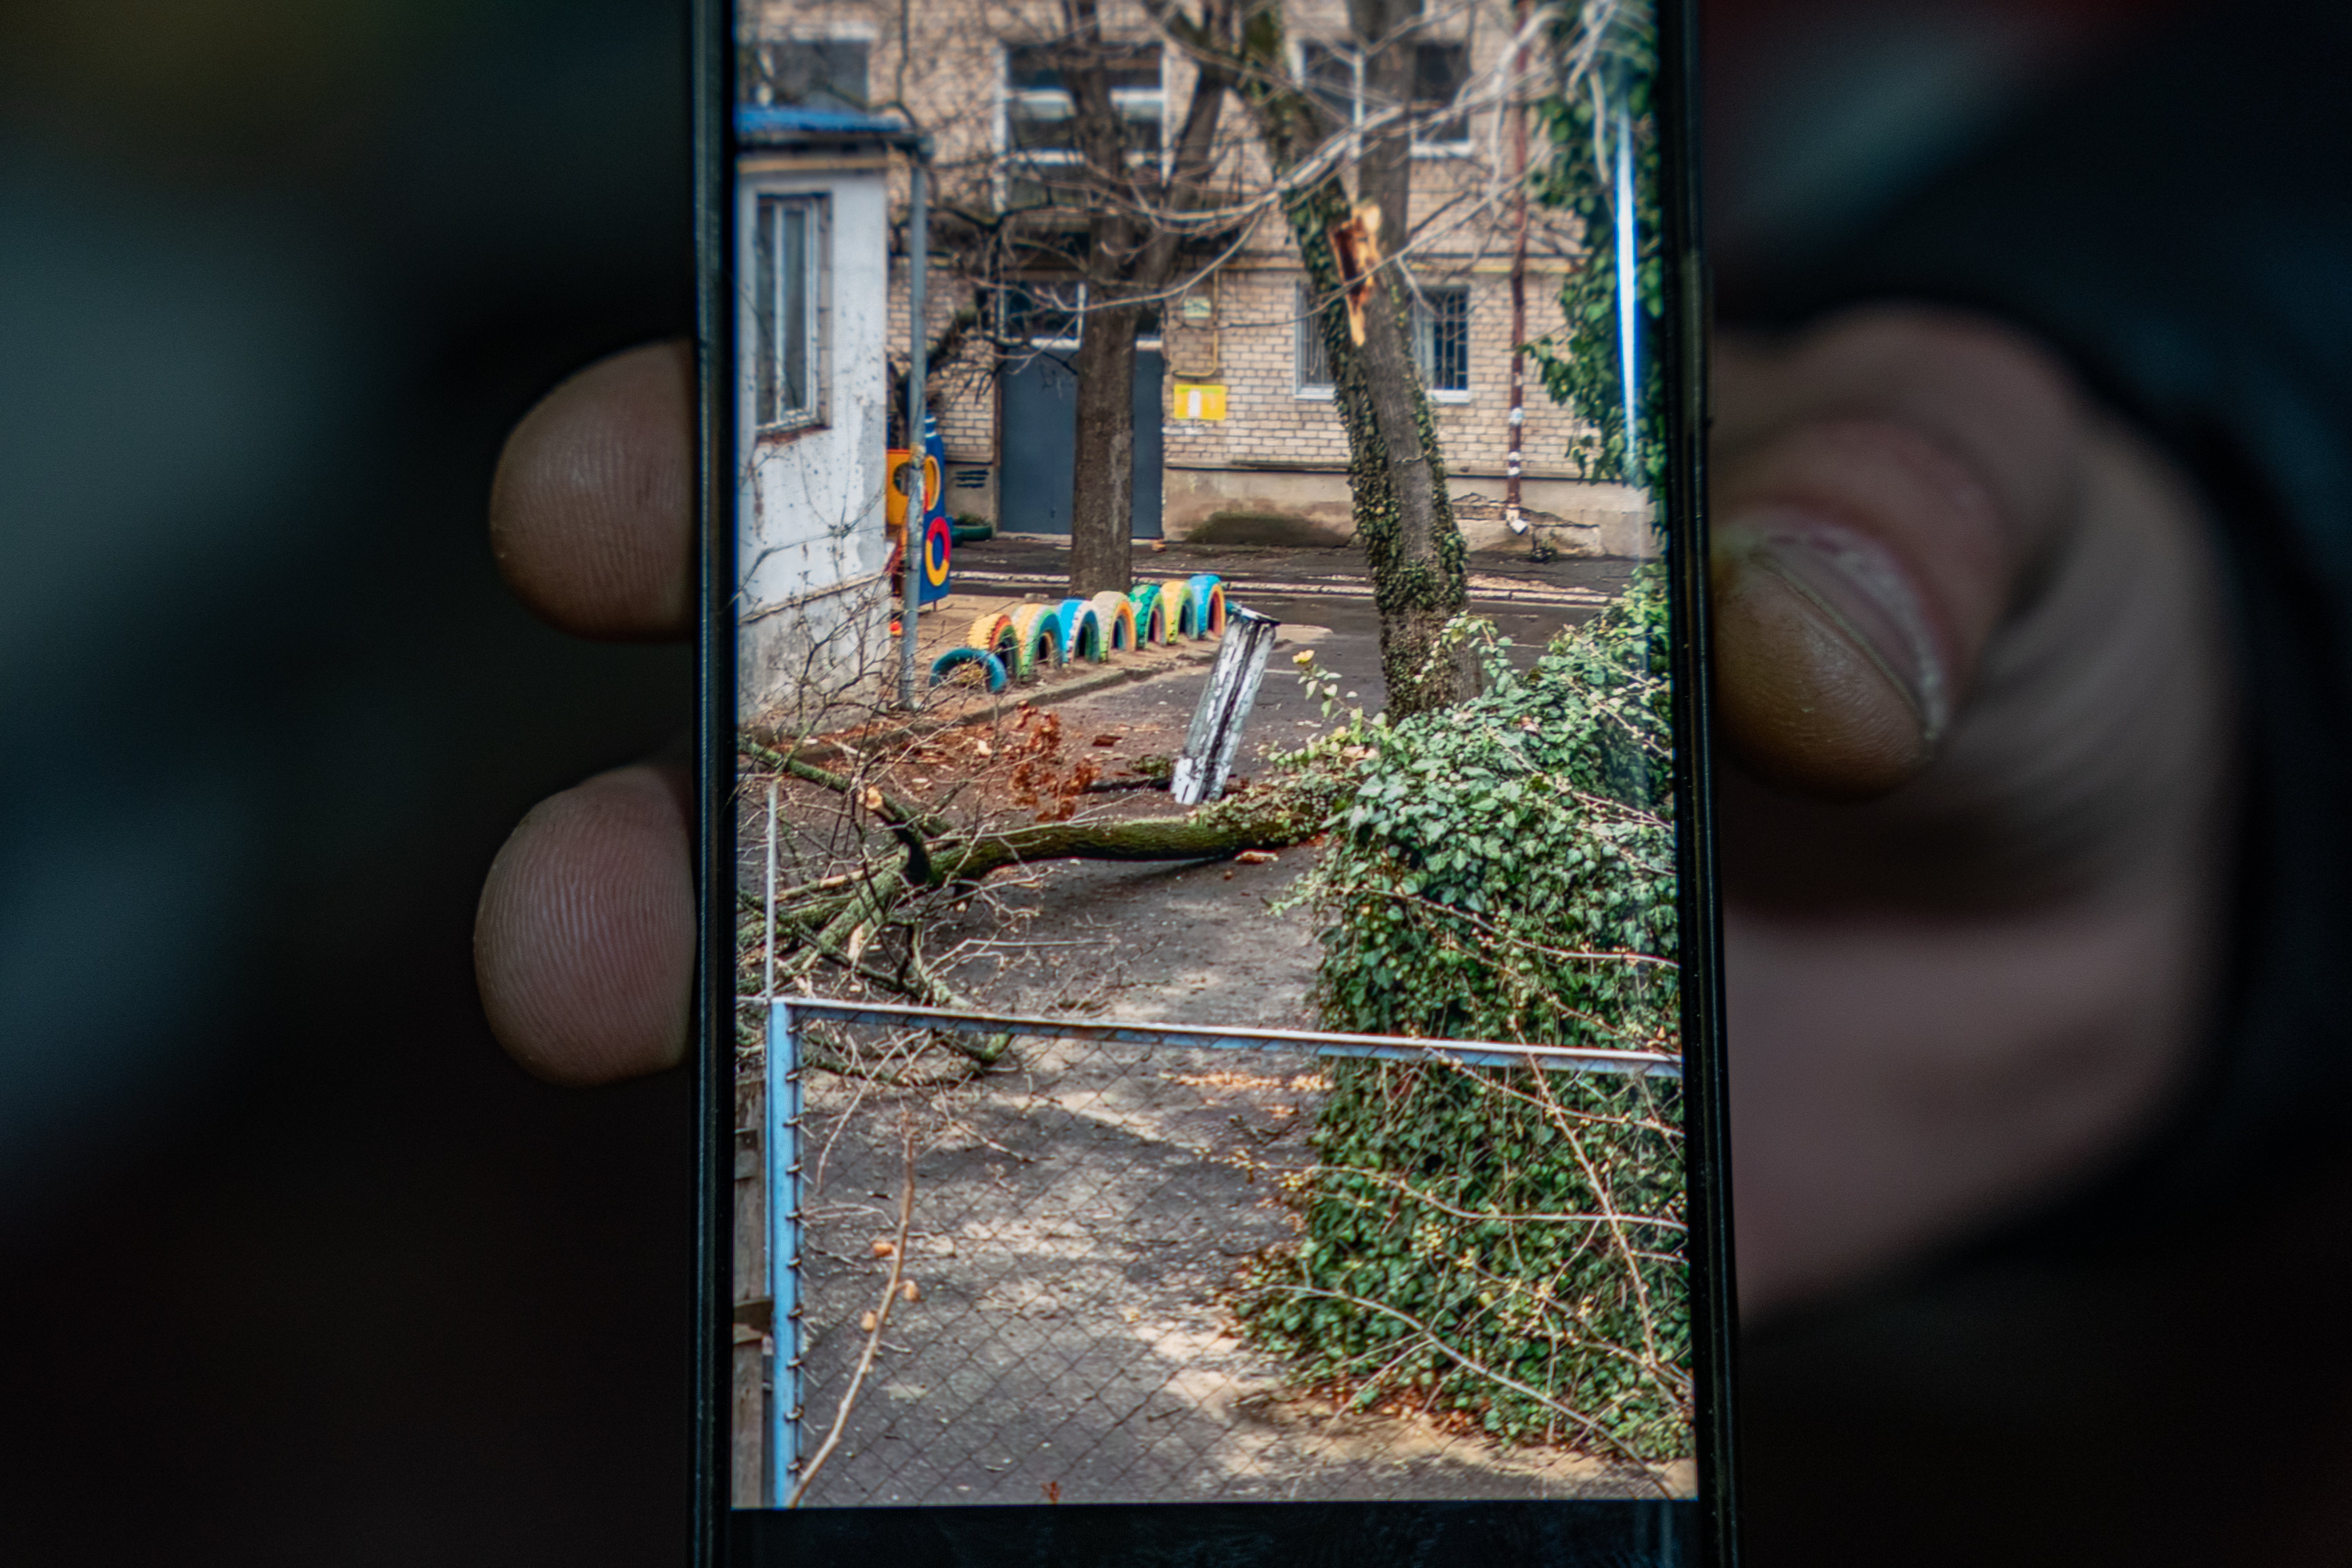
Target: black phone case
x=1242, y=1535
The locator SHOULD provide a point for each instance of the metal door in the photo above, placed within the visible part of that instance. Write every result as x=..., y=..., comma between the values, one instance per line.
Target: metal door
x=1041, y=433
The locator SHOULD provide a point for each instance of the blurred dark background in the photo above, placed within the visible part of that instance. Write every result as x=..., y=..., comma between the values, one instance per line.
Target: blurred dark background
x=294, y=1267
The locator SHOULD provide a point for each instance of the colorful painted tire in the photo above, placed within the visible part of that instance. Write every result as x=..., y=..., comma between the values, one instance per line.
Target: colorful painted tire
x=1082, y=635
x=1209, y=594
x=1116, y=614
x=1176, y=603
x=992, y=668
x=1151, y=616
x=1040, y=631
x=992, y=633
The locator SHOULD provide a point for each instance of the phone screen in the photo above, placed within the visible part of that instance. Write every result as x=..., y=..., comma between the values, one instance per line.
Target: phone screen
x=1211, y=1022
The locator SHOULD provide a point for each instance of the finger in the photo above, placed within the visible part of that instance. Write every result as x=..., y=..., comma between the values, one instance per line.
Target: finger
x=1885, y=487
x=584, y=942
x=592, y=510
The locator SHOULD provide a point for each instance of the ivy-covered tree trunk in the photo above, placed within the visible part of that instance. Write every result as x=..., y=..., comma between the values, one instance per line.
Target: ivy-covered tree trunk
x=1396, y=473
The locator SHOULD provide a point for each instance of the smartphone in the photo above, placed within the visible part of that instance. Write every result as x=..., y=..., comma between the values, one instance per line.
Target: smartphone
x=1209, y=1033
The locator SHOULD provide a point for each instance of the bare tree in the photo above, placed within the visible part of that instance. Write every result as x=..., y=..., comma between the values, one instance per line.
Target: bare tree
x=1131, y=257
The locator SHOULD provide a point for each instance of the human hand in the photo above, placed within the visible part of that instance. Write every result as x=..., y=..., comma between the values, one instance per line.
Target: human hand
x=1974, y=695
x=1965, y=627
x=584, y=942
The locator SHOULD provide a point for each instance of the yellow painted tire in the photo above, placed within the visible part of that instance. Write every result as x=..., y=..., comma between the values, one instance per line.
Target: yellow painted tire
x=1176, y=604
x=992, y=633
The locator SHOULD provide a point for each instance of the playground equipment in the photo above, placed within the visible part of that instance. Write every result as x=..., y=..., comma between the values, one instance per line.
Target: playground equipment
x=1024, y=642
x=935, y=529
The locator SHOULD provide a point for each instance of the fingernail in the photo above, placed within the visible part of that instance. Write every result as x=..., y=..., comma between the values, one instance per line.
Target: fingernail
x=1854, y=586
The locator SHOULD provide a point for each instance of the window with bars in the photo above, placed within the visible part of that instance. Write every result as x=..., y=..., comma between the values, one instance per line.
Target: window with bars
x=1440, y=342
x=788, y=243
x=1441, y=338
x=1040, y=119
x=805, y=73
x=1334, y=72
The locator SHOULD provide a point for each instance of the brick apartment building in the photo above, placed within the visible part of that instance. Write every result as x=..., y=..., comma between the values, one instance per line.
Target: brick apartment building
x=971, y=74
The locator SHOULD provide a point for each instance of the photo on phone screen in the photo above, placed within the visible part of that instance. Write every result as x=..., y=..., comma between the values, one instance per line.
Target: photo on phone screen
x=1213, y=883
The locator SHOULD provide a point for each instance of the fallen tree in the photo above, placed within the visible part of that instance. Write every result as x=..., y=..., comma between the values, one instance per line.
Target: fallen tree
x=867, y=920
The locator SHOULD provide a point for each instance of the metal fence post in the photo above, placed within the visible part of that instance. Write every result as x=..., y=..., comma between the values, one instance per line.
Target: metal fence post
x=783, y=1147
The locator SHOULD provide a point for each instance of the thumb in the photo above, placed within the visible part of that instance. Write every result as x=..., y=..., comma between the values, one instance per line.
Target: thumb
x=1884, y=485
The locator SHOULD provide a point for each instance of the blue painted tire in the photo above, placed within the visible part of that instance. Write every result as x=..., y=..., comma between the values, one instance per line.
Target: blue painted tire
x=1081, y=632
x=991, y=666
x=1208, y=593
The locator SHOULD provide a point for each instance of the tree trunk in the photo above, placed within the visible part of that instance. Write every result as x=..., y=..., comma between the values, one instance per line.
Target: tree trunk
x=1396, y=473
x=1102, y=481
x=1421, y=584
x=1127, y=256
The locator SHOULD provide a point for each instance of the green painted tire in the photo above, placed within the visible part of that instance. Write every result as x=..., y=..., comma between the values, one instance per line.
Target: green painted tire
x=1039, y=628
x=1151, y=618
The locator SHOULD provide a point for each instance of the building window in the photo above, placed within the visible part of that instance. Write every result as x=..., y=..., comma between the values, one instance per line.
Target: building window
x=1441, y=343
x=1334, y=72
x=805, y=73
x=1041, y=126
x=1314, y=354
x=1441, y=339
x=1041, y=313
x=788, y=310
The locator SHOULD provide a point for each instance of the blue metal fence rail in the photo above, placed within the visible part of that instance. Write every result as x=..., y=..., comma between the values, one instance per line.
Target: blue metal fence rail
x=782, y=1141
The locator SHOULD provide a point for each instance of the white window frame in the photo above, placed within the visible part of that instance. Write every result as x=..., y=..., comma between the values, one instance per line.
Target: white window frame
x=1345, y=50
x=1122, y=98
x=815, y=310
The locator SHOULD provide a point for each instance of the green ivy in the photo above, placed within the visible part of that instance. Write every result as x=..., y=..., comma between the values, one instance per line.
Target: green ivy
x=1580, y=365
x=1503, y=870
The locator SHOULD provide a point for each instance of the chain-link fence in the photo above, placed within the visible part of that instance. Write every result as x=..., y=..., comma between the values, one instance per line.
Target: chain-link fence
x=1021, y=1260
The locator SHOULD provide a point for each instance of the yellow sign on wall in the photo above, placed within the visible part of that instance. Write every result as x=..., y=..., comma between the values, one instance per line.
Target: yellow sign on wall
x=1198, y=400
